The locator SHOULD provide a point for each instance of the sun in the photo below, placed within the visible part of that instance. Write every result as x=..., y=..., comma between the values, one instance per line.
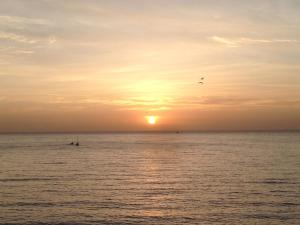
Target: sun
x=152, y=120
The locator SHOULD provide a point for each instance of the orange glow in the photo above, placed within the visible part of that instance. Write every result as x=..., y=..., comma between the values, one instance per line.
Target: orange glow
x=181, y=72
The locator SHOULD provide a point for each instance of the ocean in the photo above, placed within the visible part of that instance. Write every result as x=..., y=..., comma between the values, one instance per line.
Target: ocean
x=150, y=178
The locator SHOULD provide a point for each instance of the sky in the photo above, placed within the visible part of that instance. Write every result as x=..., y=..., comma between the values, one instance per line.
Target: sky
x=97, y=65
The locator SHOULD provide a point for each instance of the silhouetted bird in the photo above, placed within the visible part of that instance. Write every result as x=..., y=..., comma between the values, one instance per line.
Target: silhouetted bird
x=201, y=82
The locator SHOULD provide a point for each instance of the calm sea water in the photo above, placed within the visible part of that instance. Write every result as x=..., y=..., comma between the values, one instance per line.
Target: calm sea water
x=204, y=178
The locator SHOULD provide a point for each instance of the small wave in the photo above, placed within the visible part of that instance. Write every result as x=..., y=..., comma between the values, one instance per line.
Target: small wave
x=45, y=223
x=274, y=181
x=28, y=204
x=26, y=179
x=280, y=191
x=270, y=217
x=52, y=163
x=98, y=204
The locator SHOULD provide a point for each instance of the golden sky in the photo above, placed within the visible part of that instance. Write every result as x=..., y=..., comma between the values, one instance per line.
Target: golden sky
x=87, y=65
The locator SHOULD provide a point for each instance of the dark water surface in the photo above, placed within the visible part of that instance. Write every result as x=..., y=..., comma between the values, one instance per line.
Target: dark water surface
x=204, y=178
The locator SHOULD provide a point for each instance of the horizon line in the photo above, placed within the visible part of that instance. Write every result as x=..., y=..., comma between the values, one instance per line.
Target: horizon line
x=151, y=131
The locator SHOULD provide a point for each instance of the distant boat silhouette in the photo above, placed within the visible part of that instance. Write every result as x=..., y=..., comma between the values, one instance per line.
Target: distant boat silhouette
x=77, y=143
x=72, y=143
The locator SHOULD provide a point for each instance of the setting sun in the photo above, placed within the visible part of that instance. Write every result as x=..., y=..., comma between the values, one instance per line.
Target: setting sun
x=152, y=119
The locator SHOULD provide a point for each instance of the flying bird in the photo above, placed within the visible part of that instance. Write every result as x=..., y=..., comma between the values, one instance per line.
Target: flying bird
x=201, y=82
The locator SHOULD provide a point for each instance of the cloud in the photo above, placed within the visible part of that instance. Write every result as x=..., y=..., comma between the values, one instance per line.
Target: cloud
x=217, y=100
x=17, y=38
x=274, y=102
x=23, y=40
x=249, y=40
x=223, y=41
x=236, y=101
x=26, y=52
x=22, y=22
x=227, y=100
x=19, y=29
x=52, y=40
x=15, y=50
x=235, y=42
